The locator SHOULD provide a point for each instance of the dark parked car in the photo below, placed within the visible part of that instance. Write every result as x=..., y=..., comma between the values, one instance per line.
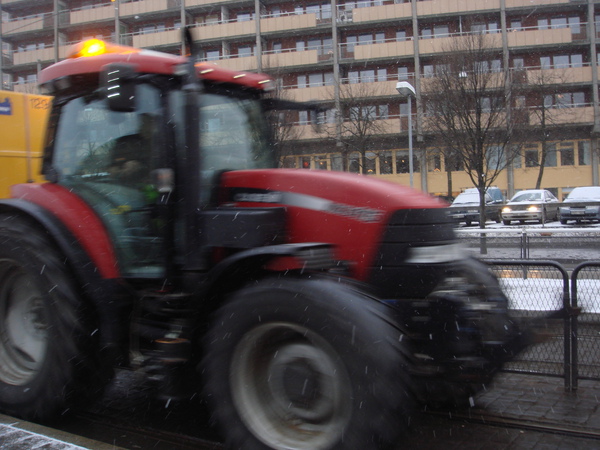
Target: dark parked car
x=583, y=203
x=465, y=208
x=531, y=204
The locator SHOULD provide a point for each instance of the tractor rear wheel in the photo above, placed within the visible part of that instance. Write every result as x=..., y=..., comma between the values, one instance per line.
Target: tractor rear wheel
x=306, y=364
x=45, y=344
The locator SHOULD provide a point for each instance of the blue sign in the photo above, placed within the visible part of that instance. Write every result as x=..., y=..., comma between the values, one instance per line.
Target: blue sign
x=6, y=107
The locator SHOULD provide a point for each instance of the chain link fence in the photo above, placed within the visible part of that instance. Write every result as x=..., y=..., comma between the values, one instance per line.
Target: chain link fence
x=585, y=297
x=570, y=347
x=535, y=289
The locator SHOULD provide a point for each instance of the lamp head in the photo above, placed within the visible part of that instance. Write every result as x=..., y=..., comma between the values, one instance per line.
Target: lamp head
x=405, y=89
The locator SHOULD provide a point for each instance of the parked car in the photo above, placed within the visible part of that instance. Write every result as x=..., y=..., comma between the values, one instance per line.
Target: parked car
x=465, y=208
x=583, y=203
x=531, y=204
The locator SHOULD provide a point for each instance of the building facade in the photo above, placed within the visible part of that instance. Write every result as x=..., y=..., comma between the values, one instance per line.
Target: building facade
x=328, y=51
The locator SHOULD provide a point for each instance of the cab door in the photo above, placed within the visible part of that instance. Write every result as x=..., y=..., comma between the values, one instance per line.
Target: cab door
x=107, y=158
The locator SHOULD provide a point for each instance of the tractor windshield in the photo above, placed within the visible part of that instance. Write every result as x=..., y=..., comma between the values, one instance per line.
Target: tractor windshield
x=233, y=135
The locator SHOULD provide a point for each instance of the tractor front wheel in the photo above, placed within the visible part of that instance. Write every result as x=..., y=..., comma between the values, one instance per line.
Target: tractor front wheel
x=306, y=364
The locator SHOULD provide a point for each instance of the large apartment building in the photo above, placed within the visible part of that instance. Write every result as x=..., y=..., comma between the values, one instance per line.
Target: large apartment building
x=324, y=50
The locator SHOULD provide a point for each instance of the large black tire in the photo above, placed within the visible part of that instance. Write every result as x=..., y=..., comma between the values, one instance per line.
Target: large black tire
x=306, y=364
x=47, y=355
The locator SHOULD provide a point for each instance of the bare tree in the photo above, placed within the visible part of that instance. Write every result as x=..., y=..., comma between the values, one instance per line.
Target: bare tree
x=361, y=121
x=281, y=122
x=541, y=93
x=453, y=162
x=468, y=109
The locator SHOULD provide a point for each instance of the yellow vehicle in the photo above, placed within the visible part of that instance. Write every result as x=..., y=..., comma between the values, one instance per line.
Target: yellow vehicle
x=23, y=119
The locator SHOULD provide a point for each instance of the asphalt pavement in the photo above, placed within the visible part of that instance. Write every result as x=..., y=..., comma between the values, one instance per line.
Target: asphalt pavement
x=537, y=411
x=539, y=414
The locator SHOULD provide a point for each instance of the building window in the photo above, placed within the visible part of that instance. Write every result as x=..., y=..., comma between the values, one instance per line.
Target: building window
x=434, y=163
x=402, y=162
x=385, y=163
x=551, y=155
x=572, y=22
x=583, y=153
x=337, y=163
x=564, y=100
x=441, y=30
x=301, y=81
x=532, y=156
x=322, y=11
x=361, y=76
x=485, y=28
x=364, y=39
x=515, y=25
x=367, y=76
x=321, y=163
x=351, y=41
x=402, y=73
x=516, y=155
x=428, y=71
x=315, y=80
x=245, y=16
x=370, y=163
x=330, y=115
x=383, y=112
x=322, y=45
x=561, y=61
x=244, y=51
x=493, y=66
x=400, y=35
x=303, y=117
x=518, y=63
x=289, y=163
x=213, y=55
x=354, y=163
x=567, y=154
x=453, y=162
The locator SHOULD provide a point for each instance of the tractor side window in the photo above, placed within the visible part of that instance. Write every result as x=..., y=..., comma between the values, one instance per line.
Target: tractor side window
x=232, y=136
x=107, y=157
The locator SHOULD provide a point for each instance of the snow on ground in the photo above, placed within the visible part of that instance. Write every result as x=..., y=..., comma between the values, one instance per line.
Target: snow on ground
x=544, y=294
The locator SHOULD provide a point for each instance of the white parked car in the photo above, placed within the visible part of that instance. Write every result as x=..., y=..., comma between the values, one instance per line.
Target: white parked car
x=582, y=203
x=531, y=204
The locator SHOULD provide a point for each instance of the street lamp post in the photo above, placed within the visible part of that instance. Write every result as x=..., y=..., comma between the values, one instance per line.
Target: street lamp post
x=406, y=90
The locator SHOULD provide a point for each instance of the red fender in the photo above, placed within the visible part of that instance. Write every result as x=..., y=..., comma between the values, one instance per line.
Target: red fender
x=78, y=218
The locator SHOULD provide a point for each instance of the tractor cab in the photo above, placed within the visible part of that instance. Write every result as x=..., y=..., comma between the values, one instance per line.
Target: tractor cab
x=140, y=149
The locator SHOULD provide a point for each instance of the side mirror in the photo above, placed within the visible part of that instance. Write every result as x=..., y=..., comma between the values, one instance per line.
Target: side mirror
x=117, y=82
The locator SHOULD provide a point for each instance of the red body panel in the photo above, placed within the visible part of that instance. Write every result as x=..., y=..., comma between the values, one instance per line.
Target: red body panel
x=347, y=210
x=79, y=219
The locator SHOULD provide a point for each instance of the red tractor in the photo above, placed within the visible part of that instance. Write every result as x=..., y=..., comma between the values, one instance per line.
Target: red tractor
x=310, y=308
